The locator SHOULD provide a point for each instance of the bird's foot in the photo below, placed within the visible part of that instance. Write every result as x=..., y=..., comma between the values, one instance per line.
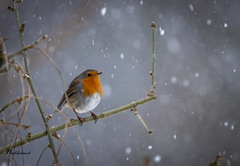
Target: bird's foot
x=95, y=117
x=81, y=120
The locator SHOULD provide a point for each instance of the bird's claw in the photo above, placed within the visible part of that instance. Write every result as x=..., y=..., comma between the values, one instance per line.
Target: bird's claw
x=95, y=117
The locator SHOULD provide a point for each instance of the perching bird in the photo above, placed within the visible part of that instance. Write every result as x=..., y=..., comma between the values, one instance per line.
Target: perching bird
x=84, y=93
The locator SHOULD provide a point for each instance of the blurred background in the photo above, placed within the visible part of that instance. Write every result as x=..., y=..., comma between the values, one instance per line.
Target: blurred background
x=196, y=114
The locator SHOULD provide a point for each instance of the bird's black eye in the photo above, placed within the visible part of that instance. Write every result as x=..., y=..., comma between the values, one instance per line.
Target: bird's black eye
x=88, y=74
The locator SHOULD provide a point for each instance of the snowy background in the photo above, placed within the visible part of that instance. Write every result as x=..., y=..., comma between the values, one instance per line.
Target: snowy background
x=197, y=77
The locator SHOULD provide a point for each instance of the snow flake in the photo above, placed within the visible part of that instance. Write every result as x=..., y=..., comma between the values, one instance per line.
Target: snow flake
x=51, y=49
x=122, y=55
x=226, y=124
x=191, y=7
x=225, y=25
x=88, y=142
x=185, y=83
x=209, y=21
x=103, y=11
x=173, y=79
x=162, y=31
x=157, y=158
x=128, y=150
x=130, y=9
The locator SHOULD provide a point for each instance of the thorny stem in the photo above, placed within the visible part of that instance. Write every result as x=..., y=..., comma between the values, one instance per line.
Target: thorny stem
x=76, y=122
x=32, y=86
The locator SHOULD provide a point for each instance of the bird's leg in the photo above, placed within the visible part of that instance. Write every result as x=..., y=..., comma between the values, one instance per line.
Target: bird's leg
x=95, y=117
x=79, y=118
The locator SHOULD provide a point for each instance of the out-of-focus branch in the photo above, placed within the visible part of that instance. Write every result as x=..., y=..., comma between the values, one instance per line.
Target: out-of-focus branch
x=76, y=122
x=57, y=137
x=2, y=53
x=20, y=30
x=42, y=153
x=8, y=66
x=17, y=100
x=15, y=124
x=217, y=159
x=25, y=48
x=20, y=52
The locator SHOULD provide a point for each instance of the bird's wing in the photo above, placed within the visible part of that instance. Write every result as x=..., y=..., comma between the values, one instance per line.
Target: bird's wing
x=71, y=90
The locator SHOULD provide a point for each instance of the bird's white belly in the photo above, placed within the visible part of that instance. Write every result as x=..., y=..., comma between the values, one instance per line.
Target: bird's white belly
x=89, y=103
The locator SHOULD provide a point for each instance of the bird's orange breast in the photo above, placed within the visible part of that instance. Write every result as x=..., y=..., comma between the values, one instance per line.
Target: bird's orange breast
x=92, y=85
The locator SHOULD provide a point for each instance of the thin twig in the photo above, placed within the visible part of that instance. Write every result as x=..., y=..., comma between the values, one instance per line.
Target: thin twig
x=5, y=53
x=141, y=119
x=15, y=124
x=13, y=132
x=17, y=100
x=216, y=163
x=3, y=70
x=7, y=67
x=66, y=127
x=55, y=66
x=32, y=86
x=20, y=52
x=42, y=154
x=153, y=62
x=56, y=110
x=152, y=74
x=81, y=143
x=56, y=136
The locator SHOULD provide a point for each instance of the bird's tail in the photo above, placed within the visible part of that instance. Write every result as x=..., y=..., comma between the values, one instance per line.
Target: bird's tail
x=61, y=103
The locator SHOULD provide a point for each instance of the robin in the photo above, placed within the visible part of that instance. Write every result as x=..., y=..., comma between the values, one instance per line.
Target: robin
x=84, y=94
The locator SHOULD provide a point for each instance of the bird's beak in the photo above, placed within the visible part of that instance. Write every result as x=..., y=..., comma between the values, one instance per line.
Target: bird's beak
x=99, y=73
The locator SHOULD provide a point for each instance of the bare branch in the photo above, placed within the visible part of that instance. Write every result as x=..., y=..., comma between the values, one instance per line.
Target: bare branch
x=42, y=154
x=15, y=124
x=154, y=57
x=20, y=52
x=4, y=53
x=141, y=119
x=32, y=86
x=76, y=122
x=17, y=100
x=56, y=136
